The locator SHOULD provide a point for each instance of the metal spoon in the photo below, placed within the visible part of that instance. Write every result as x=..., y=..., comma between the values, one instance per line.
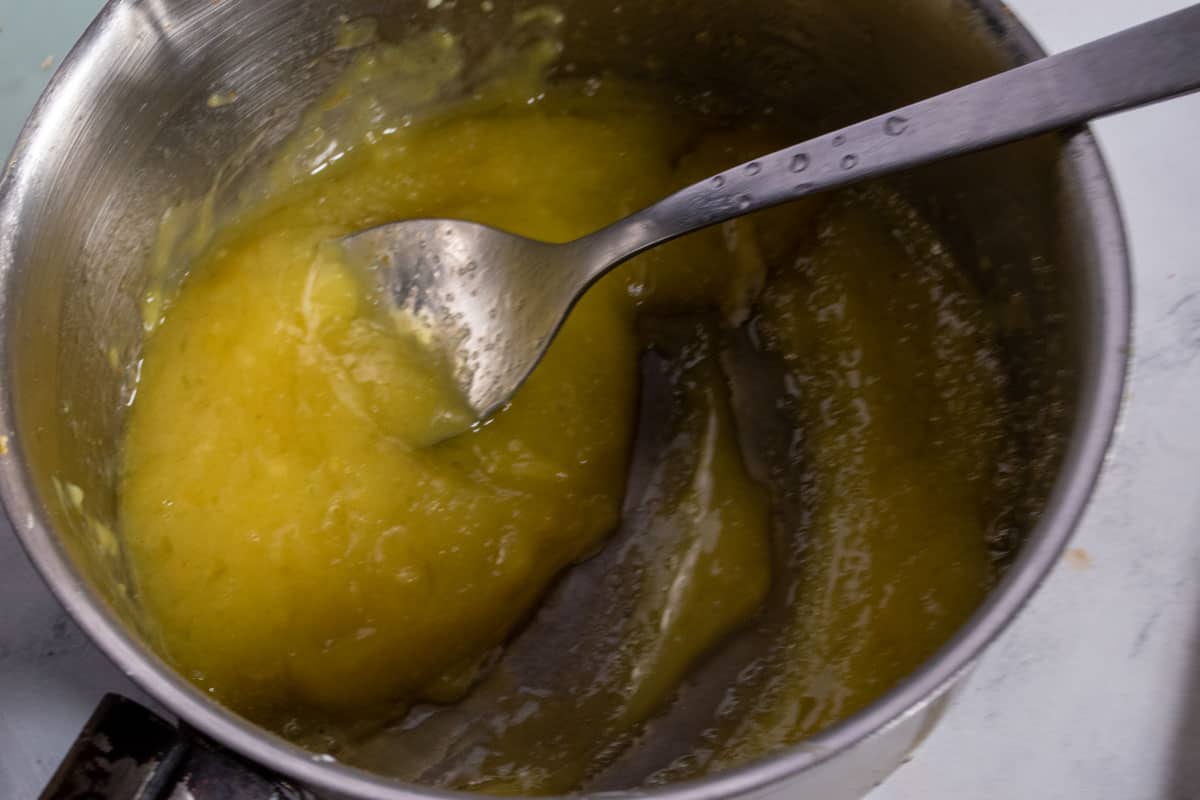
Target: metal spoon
x=492, y=301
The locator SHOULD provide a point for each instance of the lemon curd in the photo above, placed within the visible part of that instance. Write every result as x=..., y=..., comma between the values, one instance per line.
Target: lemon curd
x=314, y=547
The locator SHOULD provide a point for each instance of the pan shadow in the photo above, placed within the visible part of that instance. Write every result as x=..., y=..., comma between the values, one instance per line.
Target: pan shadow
x=1185, y=755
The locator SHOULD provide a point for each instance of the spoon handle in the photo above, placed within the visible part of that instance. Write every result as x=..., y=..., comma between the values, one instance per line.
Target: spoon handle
x=1151, y=62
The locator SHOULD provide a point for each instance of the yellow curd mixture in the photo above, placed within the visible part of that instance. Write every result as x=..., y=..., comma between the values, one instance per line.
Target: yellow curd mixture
x=311, y=549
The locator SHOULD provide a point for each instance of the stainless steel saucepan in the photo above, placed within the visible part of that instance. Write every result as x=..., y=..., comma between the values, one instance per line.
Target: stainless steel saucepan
x=124, y=132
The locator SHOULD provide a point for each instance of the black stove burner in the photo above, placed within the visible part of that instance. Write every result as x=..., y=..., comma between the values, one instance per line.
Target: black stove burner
x=126, y=752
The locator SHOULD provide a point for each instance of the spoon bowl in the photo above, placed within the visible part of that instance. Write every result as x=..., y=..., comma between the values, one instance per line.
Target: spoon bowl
x=487, y=301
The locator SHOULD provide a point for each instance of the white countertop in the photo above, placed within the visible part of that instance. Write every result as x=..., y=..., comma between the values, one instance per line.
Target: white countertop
x=1094, y=692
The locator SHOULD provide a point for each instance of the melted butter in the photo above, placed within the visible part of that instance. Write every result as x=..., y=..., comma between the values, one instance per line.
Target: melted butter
x=690, y=564
x=310, y=551
x=896, y=409
x=352, y=34
x=298, y=545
